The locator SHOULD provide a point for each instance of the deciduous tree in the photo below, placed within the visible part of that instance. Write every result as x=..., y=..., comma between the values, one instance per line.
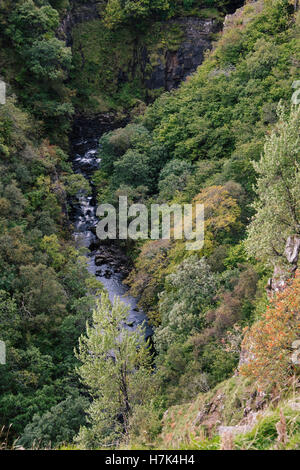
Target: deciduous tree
x=116, y=368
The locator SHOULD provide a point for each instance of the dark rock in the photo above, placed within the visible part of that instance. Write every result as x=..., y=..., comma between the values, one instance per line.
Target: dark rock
x=100, y=260
x=177, y=65
x=79, y=13
x=89, y=129
x=172, y=67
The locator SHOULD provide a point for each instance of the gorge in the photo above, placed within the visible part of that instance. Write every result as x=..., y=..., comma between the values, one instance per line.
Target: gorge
x=163, y=102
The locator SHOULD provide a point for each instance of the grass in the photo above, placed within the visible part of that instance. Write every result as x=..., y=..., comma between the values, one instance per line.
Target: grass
x=275, y=426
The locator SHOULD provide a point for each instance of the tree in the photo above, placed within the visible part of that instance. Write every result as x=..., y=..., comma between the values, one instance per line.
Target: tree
x=129, y=156
x=41, y=296
x=28, y=22
x=49, y=59
x=148, y=277
x=9, y=319
x=41, y=61
x=278, y=190
x=76, y=184
x=132, y=169
x=174, y=177
x=189, y=292
x=116, y=368
x=270, y=341
x=57, y=426
x=120, y=11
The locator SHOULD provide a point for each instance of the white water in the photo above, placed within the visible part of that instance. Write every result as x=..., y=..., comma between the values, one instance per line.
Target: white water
x=85, y=162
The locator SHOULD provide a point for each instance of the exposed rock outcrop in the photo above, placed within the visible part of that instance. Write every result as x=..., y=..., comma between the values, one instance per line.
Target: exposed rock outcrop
x=174, y=66
x=292, y=250
x=78, y=14
x=281, y=275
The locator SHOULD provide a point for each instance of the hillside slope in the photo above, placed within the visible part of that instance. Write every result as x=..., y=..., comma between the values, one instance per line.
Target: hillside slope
x=225, y=373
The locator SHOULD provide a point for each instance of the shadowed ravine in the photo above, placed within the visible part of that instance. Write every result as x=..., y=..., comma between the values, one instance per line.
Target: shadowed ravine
x=112, y=269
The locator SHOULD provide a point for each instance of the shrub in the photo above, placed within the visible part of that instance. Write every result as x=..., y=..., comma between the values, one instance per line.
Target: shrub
x=269, y=341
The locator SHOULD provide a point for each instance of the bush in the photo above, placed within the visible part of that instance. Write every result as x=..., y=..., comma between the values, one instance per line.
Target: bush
x=269, y=341
x=57, y=426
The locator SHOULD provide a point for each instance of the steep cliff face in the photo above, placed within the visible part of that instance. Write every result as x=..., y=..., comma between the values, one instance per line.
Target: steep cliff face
x=175, y=65
x=79, y=13
x=117, y=69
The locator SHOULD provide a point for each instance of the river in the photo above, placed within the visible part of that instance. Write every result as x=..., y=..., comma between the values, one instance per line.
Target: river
x=111, y=271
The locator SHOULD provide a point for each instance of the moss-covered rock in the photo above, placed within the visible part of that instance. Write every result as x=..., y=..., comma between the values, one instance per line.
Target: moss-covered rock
x=116, y=69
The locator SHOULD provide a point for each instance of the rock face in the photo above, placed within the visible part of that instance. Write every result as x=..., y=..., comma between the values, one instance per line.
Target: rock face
x=246, y=356
x=234, y=430
x=177, y=65
x=78, y=14
x=292, y=251
x=278, y=281
x=92, y=127
x=173, y=63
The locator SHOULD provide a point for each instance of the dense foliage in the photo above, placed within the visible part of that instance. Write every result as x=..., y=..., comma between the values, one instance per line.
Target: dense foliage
x=205, y=138
x=46, y=292
x=115, y=55
x=116, y=367
x=36, y=63
x=226, y=138
x=278, y=209
x=134, y=13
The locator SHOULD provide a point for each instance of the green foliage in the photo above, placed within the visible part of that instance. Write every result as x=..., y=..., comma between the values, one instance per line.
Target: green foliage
x=212, y=129
x=277, y=209
x=148, y=418
x=39, y=63
x=116, y=367
x=134, y=13
x=236, y=255
x=180, y=376
x=28, y=22
x=217, y=363
x=195, y=144
x=132, y=156
x=98, y=56
x=110, y=71
x=265, y=434
x=117, y=11
x=76, y=184
x=132, y=169
x=147, y=279
x=49, y=59
x=221, y=108
x=57, y=426
x=173, y=177
x=189, y=292
x=43, y=302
